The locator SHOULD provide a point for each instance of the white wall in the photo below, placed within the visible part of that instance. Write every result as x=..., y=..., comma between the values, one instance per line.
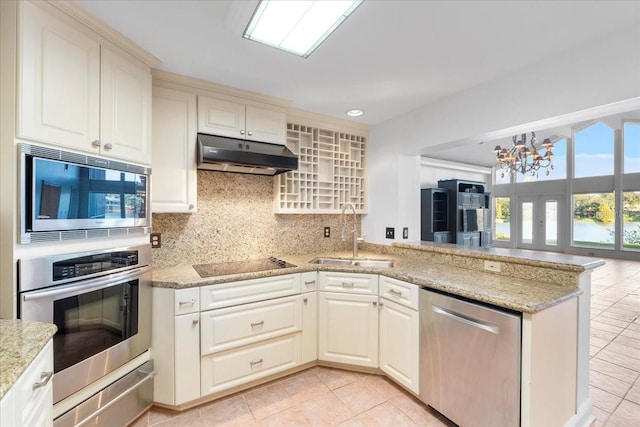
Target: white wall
x=588, y=81
x=433, y=170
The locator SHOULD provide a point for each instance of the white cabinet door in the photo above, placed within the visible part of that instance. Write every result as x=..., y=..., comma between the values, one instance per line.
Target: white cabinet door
x=399, y=343
x=266, y=125
x=174, y=179
x=187, y=357
x=125, y=120
x=309, y=327
x=221, y=117
x=59, y=81
x=29, y=402
x=348, y=328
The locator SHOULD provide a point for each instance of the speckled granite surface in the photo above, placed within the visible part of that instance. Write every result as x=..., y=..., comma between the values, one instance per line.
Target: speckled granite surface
x=527, y=296
x=20, y=343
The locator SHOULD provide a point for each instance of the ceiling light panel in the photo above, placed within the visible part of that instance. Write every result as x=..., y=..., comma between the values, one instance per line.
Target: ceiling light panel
x=298, y=27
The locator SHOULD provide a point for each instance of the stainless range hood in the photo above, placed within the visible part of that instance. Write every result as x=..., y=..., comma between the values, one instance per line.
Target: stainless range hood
x=218, y=153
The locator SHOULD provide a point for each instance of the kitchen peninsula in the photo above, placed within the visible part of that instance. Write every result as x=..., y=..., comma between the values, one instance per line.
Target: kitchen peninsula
x=551, y=293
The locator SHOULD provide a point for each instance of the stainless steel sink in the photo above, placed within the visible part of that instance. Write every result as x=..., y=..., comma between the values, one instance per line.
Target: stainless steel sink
x=353, y=262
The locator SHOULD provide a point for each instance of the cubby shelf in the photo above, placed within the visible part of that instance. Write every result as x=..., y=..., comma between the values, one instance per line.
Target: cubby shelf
x=331, y=172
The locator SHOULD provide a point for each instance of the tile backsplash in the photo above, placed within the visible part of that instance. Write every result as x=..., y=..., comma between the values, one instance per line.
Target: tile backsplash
x=235, y=221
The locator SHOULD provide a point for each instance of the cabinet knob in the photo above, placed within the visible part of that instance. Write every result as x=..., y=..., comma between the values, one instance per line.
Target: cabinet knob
x=45, y=377
x=375, y=303
x=242, y=132
x=191, y=206
x=250, y=133
x=195, y=321
x=96, y=143
x=108, y=146
x=305, y=300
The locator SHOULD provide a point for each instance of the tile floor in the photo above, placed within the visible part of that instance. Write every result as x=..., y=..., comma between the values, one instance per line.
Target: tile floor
x=330, y=397
x=318, y=396
x=615, y=344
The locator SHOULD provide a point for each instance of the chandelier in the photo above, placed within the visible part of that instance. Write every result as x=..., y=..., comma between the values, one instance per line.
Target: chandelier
x=523, y=159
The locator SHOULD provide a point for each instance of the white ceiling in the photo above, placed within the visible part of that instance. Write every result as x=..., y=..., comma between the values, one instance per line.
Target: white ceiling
x=388, y=58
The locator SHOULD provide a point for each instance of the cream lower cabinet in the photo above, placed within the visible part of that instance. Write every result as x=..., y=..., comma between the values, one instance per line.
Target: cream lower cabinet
x=29, y=402
x=309, y=316
x=176, y=345
x=348, y=318
x=400, y=332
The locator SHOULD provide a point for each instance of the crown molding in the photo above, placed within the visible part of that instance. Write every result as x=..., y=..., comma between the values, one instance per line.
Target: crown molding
x=91, y=21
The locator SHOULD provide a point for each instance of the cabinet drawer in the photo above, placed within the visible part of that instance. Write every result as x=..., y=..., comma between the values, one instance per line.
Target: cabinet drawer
x=401, y=292
x=309, y=281
x=186, y=301
x=228, y=369
x=248, y=323
x=353, y=283
x=234, y=293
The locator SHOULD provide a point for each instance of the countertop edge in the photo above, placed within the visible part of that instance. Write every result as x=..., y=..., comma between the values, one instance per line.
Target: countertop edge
x=21, y=341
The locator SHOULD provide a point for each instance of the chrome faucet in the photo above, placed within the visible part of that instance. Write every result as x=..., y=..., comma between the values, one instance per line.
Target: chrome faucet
x=354, y=231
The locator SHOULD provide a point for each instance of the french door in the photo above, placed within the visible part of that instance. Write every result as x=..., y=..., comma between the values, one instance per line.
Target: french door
x=538, y=225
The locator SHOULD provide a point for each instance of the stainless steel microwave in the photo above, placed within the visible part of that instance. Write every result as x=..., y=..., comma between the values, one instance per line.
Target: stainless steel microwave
x=67, y=196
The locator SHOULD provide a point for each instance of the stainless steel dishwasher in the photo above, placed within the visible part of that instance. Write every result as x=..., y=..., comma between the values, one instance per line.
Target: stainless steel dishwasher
x=469, y=361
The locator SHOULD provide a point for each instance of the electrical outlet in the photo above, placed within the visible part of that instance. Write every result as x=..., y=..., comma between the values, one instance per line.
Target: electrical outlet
x=390, y=233
x=327, y=232
x=405, y=233
x=156, y=241
x=492, y=266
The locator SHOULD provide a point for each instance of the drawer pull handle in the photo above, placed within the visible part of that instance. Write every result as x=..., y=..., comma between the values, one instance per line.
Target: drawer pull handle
x=192, y=301
x=309, y=283
x=195, y=321
x=254, y=324
x=347, y=284
x=394, y=292
x=45, y=377
x=256, y=362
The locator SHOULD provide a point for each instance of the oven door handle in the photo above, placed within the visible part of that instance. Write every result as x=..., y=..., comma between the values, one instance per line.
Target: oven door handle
x=88, y=286
x=147, y=376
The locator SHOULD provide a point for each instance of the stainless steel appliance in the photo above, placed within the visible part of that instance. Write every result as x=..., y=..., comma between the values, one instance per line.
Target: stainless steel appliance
x=101, y=303
x=219, y=153
x=67, y=195
x=469, y=361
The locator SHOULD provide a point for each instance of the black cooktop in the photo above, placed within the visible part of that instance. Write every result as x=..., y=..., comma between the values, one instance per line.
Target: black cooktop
x=238, y=267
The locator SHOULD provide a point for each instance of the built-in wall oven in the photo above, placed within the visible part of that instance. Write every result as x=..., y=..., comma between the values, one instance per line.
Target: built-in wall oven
x=101, y=303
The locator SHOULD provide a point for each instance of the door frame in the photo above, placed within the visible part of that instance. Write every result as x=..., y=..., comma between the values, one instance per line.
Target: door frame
x=539, y=222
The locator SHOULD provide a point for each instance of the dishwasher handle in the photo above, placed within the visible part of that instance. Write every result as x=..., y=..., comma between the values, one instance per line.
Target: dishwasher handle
x=494, y=329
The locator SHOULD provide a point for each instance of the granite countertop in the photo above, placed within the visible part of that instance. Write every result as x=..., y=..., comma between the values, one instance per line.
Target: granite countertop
x=20, y=343
x=525, y=296
x=519, y=256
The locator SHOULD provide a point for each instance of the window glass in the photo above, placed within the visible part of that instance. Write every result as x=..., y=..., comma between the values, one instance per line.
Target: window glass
x=594, y=151
x=551, y=223
x=594, y=220
x=559, y=170
x=527, y=222
x=501, y=176
x=631, y=147
x=631, y=221
x=502, y=218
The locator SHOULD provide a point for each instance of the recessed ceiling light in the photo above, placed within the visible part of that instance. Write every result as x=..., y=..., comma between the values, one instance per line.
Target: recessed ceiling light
x=355, y=113
x=298, y=27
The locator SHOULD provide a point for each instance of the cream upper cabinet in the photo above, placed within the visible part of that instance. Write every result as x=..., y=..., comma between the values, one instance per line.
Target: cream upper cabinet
x=236, y=119
x=125, y=105
x=59, y=81
x=174, y=179
x=76, y=92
